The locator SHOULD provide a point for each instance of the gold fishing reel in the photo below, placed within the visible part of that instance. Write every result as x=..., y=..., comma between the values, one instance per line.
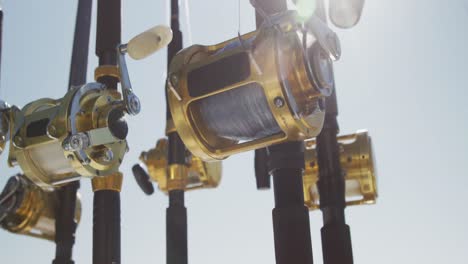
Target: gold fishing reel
x=357, y=163
x=81, y=134
x=27, y=209
x=84, y=133
x=196, y=174
x=262, y=88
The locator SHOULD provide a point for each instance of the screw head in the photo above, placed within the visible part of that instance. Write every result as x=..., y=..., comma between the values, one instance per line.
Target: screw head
x=77, y=142
x=174, y=80
x=86, y=161
x=52, y=130
x=18, y=141
x=279, y=102
x=108, y=155
x=134, y=104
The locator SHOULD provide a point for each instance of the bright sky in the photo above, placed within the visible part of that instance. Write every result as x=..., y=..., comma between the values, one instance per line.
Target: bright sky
x=402, y=75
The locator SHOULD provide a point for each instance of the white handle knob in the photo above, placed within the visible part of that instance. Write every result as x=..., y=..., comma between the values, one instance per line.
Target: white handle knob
x=149, y=42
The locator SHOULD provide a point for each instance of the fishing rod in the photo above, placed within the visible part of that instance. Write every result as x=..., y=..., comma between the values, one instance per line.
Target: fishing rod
x=65, y=223
x=197, y=175
x=84, y=133
x=228, y=98
x=176, y=213
x=173, y=168
x=4, y=122
x=291, y=224
x=106, y=203
x=244, y=94
x=336, y=235
x=29, y=210
x=112, y=69
x=339, y=171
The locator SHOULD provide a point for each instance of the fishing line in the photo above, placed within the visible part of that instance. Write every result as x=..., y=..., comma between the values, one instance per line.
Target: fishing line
x=187, y=22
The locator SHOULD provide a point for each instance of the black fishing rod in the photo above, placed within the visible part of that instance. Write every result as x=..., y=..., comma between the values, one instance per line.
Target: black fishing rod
x=106, y=213
x=65, y=224
x=336, y=235
x=285, y=162
x=176, y=213
x=1, y=33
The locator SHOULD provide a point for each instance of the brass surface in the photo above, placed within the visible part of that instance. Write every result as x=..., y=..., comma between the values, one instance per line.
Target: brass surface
x=196, y=174
x=357, y=162
x=35, y=214
x=111, y=182
x=177, y=177
x=40, y=130
x=264, y=65
x=106, y=70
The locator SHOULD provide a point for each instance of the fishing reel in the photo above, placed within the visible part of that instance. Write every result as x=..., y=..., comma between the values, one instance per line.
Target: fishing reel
x=81, y=134
x=27, y=209
x=262, y=88
x=196, y=174
x=357, y=164
x=84, y=133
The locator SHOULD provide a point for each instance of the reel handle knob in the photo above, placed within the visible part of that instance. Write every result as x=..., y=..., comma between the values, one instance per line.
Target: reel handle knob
x=149, y=42
x=143, y=179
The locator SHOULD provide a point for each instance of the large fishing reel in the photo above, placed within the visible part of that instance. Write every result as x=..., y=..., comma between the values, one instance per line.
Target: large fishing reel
x=84, y=133
x=196, y=174
x=357, y=163
x=81, y=134
x=262, y=88
x=27, y=209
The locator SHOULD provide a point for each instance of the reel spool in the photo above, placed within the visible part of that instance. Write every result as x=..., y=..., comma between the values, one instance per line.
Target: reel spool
x=265, y=87
x=28, y=210
x=357, y=162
